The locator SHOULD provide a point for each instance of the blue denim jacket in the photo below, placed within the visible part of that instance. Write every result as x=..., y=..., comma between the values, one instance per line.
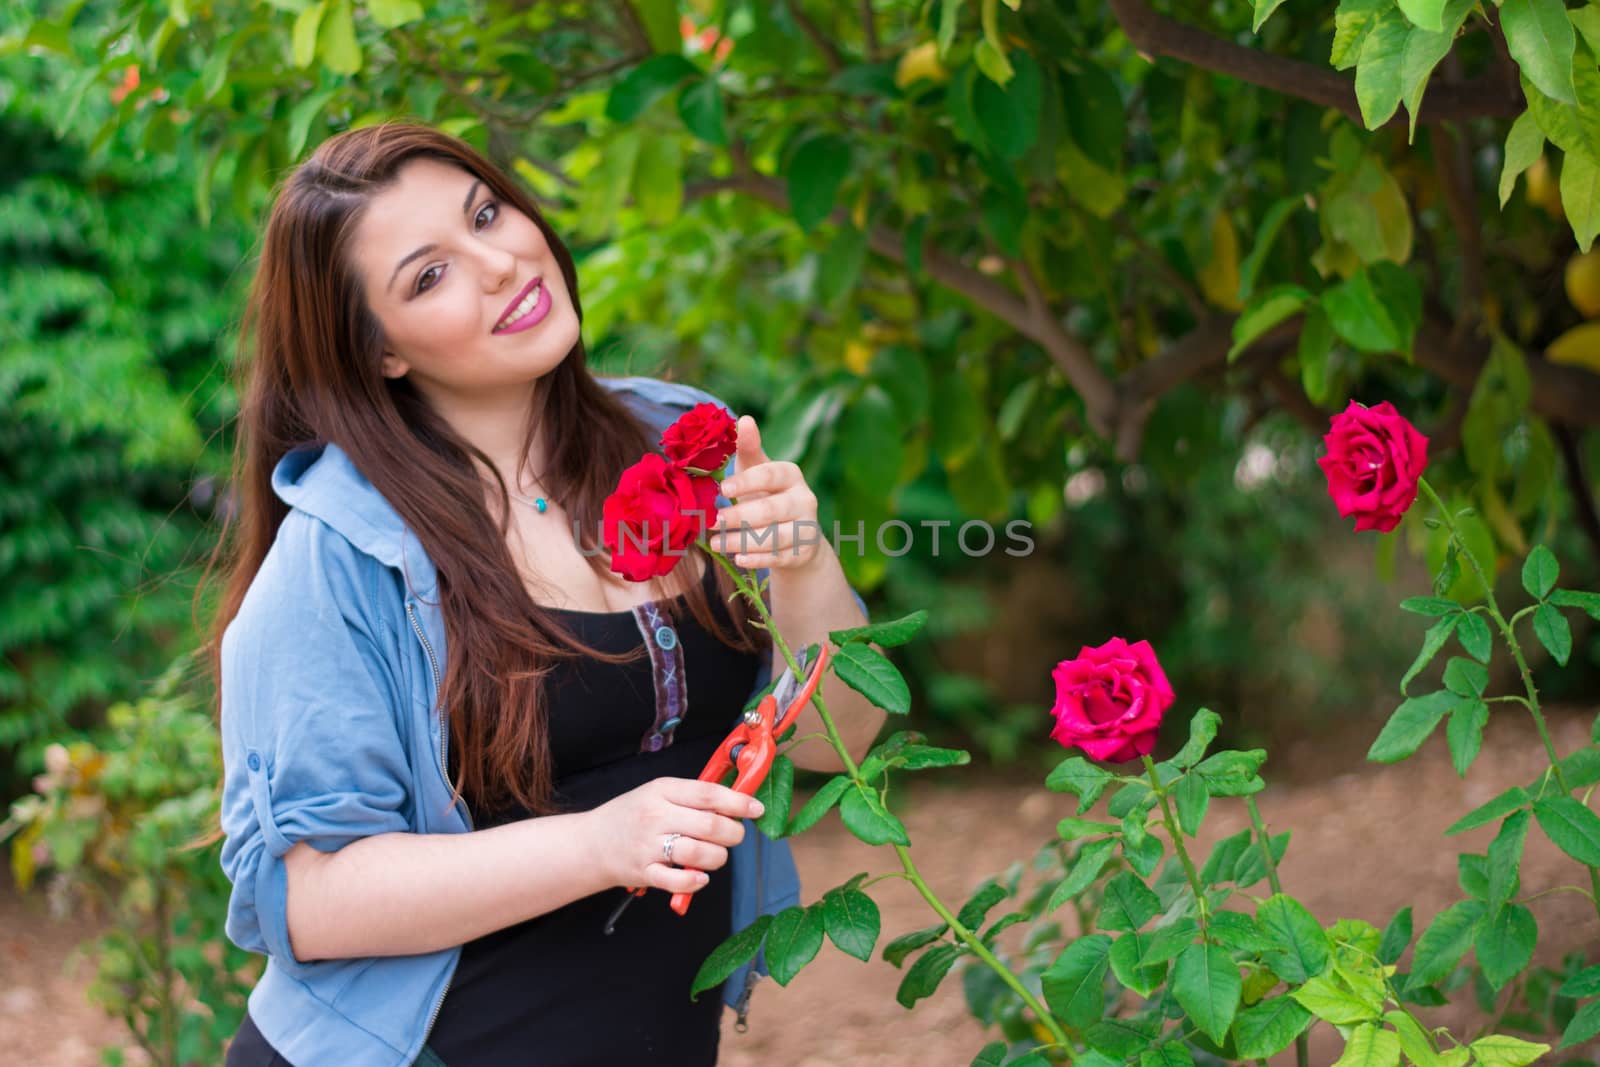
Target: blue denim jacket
x=332, y=731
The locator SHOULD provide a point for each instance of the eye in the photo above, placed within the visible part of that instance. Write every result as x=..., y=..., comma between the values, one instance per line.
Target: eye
x=488, y=205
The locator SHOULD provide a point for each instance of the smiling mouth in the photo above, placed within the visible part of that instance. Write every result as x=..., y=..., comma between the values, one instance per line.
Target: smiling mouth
x=528, y=301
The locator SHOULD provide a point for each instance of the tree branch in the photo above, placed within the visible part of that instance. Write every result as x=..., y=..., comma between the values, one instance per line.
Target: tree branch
x=1560, y=393
x=825, y=46
x=1157, y=35
x=870, y=28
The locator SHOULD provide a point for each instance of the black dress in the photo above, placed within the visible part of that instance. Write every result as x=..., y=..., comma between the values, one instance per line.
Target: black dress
x=556, y=991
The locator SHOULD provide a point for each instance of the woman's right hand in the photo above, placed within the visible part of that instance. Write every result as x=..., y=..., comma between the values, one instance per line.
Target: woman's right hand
x=630, y=830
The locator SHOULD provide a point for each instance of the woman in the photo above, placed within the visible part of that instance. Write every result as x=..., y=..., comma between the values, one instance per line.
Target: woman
x=450, y=733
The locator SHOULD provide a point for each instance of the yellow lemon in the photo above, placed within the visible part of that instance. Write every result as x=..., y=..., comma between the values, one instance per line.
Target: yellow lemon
x=1219, y=280
x=1578, y=347
x=1543, y=192
x=1583, y=282
x=921, y=61
x=858, y=356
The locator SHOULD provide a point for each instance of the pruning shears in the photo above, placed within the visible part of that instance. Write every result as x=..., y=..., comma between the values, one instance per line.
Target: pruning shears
x=751, y=746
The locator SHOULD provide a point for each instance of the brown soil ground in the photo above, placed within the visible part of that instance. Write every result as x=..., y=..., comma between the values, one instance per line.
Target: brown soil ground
x=1367, y=841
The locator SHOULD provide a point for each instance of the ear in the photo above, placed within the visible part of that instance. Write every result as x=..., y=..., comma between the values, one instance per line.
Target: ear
x=393, y=366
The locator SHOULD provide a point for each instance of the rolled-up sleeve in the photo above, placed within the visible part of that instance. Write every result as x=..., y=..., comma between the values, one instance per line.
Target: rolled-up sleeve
x=310, y=741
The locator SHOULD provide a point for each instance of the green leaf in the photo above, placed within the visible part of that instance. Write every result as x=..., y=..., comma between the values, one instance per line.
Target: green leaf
x=1410, y=726
x=1429, y=605
x=1144, y=856
x=921, y=757
x=868, y=430
x=1313, y=352
x=1170, y=1054
x=1074, y=985
x=1586, y=602
x=1378, y=73
x=926, y=974
x=701, y=109
x=1505, y=943
x=973, y=911
x=1302, y=950
x=1078, y=776
x=1539, y=572
x=1586, y=983
x=1505, y=858
x=1072, y=828
x=1473, y=633
x=1502, y=805
x=1361, y=317
x=645, y=84
x=303, y=40
x=1426, y=14
x=1541, y=40
x=1263, y=11
x=867, y=671
x=1125, y=965
x=1128, y=904
x=886, y=634
x=1202, y=731
x=991, y=59
x=1445, y=941
x=1268, y=1028
x=1263, y=313
x=1206, y=984
x=1009, y=114
x=1432, y=642
x=1464, y=731
x=865, y=816
x=1252, y=866
x=1225, y=855
x=393, y=13
x=814, y=809
x=1584, y=1025
x=1553, y=631
x=336, y=39
x=1266, y=233
x=1425, y=47
x=1572, y=826
x=1501, y=1050
x=1586, y=20
x=1233, y=773
x=1352, y=23
x=304, y=112
x=851, y=920
x=1370, y=1046
x=1091, y=859
x=729, y=956
x=897, y=950
x=1193, y=799
x=1331, y=1000
x=793, y=941
x=991, y=1055
x=1465, y=677
x=1473, y=874
x=816, y=169
x=776, y=794
x=1396, y=937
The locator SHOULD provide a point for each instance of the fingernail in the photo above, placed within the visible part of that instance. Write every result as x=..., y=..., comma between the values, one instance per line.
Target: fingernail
x=702, y=878
x=755, y=808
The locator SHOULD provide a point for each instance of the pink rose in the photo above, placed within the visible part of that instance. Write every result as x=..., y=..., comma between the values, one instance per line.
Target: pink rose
x=1110, y=700
x=1374, y=460
x=657, y=511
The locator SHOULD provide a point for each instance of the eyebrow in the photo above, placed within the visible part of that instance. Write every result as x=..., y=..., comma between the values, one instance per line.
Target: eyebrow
x=466, y=206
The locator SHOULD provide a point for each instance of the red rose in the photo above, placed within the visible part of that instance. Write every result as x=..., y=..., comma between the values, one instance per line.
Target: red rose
x=1374, y=460
x=656, y=513
x=1110, y=700
x=703, y=438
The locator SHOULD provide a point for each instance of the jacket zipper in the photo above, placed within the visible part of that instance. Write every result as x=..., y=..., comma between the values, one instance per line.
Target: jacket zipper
x=444, y=742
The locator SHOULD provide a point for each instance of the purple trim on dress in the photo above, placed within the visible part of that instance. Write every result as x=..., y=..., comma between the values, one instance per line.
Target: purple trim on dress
x=666, y=667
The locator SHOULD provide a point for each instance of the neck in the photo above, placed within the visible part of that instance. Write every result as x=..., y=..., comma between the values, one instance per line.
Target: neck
x=496, y=426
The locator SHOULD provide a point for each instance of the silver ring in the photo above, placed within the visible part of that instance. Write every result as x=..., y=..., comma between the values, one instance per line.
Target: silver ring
x=666, y=847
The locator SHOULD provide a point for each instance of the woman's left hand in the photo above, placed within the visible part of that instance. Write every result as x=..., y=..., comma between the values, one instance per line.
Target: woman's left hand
x=774, y=522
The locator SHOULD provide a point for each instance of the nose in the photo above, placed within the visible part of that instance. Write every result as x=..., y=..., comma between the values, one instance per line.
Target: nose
x=499, y=267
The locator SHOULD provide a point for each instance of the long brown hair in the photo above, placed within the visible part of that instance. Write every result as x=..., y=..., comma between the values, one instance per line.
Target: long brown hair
x=310, y=352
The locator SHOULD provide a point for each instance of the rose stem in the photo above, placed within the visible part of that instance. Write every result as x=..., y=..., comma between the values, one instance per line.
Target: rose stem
x=1174, y=832
x=913, y=875
x=1516, y=653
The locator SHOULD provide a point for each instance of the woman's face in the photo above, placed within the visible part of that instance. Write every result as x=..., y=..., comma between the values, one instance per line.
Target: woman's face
x=449, y=270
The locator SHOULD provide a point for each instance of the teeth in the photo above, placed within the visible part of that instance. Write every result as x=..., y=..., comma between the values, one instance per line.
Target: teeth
x=523, y=308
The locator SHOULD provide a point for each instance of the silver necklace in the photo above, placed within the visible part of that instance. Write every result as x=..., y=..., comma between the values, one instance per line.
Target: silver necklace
x=539, y=502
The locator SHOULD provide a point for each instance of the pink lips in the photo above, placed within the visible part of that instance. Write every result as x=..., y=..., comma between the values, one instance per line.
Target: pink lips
x=540, y=308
